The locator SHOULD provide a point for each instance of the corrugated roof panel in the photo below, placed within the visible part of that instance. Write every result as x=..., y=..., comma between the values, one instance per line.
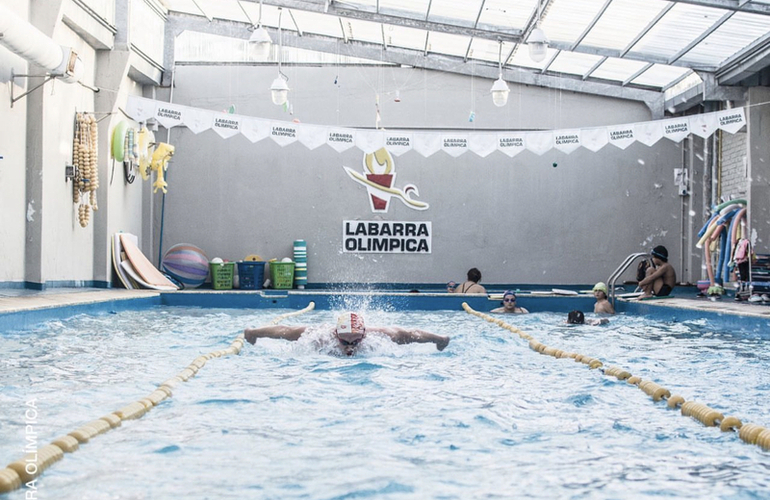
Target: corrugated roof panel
x=401, y=36
x=621, y=23
x=660, y=75
x=680, y=26
x=459, y=12
x=413, y=9
x=446, y=43
x=183, y=6
x=222, y=9
x=488, y=50
x=567, y=19
x=521, y=58
x=365, y=31
x=690, y=81
x=310, y=22
x=573, y=63
x=738, y=32
x=617, y=69
x=506, y=14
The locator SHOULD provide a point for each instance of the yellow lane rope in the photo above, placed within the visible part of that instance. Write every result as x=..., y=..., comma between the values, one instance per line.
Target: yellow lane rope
x=33, y=464
x=749, y=433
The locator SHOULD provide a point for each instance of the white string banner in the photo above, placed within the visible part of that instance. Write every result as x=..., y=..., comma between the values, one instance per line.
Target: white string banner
x=428, y=143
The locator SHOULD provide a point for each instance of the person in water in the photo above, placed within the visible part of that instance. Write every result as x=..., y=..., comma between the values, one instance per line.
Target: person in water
x=509, y=304
x=469, y=286
x=577, y=317
x=350, y=333
x=661, y=278
x=602, y=306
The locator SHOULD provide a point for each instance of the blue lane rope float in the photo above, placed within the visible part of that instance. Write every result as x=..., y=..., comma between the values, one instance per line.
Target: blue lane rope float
x=29, y=467
x=749, y=433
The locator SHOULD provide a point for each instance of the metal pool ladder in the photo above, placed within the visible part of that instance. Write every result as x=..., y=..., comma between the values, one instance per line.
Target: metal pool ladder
x=620, y=270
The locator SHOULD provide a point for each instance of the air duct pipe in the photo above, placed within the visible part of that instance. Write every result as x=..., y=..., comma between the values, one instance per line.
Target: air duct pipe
x=23, y=39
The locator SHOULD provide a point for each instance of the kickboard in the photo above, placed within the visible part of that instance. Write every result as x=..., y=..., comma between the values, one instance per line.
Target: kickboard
x=561, y=291
x=142, y=266
x=126, y=265
x=119, y=256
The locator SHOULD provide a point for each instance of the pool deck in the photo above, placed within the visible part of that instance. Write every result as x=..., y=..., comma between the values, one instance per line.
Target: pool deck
x=29, y=300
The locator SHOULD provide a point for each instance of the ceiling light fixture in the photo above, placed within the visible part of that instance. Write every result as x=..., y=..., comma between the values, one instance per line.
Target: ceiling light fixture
x=260, y=37
x=500, y=88
x=537, y=41
x=279, y=90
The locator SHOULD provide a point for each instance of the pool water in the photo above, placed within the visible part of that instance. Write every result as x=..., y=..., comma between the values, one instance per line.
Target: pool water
x=485, y=418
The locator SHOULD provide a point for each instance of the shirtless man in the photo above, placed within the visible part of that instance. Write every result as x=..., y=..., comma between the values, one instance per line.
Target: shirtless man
x=470, y=286
x=660, y=279
x=350, y=333
x=602, y=306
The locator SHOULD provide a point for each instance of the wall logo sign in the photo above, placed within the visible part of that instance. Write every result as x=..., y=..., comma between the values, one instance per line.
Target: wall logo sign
x=376, y=236
x=379, y=178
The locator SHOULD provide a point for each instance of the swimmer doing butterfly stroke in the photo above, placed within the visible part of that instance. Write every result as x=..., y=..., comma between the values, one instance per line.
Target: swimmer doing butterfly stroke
x=349, y=333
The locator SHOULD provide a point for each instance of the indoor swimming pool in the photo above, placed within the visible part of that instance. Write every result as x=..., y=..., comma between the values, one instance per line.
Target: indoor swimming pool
x=488, y=417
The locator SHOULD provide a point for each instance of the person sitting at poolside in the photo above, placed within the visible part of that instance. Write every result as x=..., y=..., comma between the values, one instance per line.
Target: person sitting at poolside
x=602, y=306
x=470, y=286
x=660, y=279
x=509, y=304
x=577, y=317
x=350, y=333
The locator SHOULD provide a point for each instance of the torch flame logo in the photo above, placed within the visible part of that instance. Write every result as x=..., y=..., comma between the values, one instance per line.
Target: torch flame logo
x=379, y=186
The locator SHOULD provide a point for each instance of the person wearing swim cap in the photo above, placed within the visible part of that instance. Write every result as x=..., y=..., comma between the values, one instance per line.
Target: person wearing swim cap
x=349, y=333
x=509, y=304
x=660, y=279
x=602, y=306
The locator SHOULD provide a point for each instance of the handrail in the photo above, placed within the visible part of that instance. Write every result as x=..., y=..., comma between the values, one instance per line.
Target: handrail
x=617, y=272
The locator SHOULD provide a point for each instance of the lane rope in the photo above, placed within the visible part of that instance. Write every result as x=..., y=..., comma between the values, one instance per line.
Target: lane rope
x=32, y=465
x=749, y=433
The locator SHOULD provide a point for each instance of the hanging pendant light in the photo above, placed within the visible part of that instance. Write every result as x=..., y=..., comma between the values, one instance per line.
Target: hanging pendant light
x=537, y=41
x=279, y=90
x=260, y=37
x=500, y=88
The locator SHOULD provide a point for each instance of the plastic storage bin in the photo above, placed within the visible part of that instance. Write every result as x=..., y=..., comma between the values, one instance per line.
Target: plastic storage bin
x=222, y=275
x=282, y=274
x=251, y=275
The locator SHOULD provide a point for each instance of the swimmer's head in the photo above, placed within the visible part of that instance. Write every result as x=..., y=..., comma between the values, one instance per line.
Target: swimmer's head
x=350, y=332
x=509, y=300
x=600, y=287
x=660, y=252
x=576, y=317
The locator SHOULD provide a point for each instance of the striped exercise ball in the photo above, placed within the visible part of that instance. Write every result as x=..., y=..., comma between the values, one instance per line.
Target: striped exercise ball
x=187, y=264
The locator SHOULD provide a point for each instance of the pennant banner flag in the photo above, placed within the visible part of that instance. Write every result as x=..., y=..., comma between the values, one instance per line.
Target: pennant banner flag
x=428, y=143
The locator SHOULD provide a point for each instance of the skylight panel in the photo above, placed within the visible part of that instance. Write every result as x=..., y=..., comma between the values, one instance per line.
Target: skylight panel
x=222, y=9
x=738, y=32
x=573, y=63
x=521, y=58
x=566, y=20
x=617, y=69
x=413, y=9
x=321, y=24
x=487, y=50
x=401, y=36
x=506, y=14
x=621, y=23
x=446, y=43
x=363, y=31
x=660, y=75
x=680, y=26
x=457, y=12
x=183, y=6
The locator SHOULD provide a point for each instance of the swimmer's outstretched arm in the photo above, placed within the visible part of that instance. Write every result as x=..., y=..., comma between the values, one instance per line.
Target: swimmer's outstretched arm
x=403, y=336
x=274, y=332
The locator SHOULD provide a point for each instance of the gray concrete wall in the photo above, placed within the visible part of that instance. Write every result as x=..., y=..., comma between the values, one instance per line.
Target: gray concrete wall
x=519, y=220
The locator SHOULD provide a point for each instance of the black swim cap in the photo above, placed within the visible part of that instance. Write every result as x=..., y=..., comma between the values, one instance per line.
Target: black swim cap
x=576, y=317
x=660, y=252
